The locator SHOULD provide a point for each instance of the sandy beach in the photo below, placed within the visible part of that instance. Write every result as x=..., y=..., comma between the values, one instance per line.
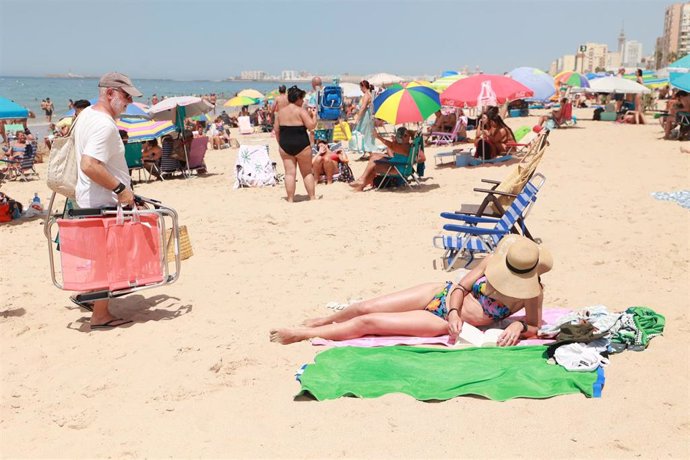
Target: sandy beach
x=195, y=375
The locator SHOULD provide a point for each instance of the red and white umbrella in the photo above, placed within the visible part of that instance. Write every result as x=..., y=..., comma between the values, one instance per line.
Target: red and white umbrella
x=473, y=91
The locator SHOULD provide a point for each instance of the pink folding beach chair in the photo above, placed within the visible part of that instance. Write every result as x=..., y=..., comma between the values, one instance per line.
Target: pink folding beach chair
x=197, y=152
x=443, y=138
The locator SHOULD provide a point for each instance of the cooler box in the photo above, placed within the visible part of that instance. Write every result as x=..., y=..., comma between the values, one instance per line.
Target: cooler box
x=464, y=159
x=101, y=253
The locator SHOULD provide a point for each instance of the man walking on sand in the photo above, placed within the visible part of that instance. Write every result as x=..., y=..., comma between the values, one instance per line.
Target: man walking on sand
x=281, y=101
x=103, y=177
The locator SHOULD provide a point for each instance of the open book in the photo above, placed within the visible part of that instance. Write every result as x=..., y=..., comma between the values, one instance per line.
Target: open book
x=473, y=336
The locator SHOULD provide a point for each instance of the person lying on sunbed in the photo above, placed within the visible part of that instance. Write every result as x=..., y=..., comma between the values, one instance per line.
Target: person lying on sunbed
x=398, y=147
x=502, y=284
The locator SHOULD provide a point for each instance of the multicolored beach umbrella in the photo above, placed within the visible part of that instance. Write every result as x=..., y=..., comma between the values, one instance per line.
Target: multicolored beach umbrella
x=570, y=78
x=537, y=80
x=140, y=130
x=239, y=101
x=407, y=103
x=272, y=95
x=440, y=84
x=254, y=94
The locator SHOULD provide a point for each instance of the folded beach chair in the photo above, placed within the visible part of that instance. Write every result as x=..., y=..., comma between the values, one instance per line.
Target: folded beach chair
x=471, y=238
x=402, y=167
x=443, y=138
x=197, y=152
x=134, y=159
x=245, y=125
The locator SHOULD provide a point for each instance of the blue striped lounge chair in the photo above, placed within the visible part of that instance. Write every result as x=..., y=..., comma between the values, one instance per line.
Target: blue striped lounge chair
x=470, y=239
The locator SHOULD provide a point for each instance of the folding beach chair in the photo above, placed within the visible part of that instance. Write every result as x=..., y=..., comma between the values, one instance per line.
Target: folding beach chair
x=197, y=152
x=135, y=161
x=403, y=167
x=444, y=138
x=168, y=164
x=254, y=168
x=471, y=238
x=245, y=125
x=21, y=167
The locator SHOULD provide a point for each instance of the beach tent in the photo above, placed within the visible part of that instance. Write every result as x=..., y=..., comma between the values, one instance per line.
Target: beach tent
x=537, y=80
x=384, y=79
x=10, y=110
x=617, y=85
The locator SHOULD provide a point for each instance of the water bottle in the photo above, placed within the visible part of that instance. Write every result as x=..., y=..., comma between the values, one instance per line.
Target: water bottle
x=36, y=200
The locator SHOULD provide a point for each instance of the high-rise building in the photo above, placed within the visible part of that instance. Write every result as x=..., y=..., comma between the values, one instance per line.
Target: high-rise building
x=252, y=75
x=632, y=53
x=675, y=43
x=289, y=75
x=592, y=56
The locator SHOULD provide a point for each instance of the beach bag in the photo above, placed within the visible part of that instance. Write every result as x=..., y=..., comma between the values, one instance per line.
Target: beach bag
x=5, y=214
x=185, y=244
x=346, y=173
x=62, y=165
x=110, y=252
x=330, y=102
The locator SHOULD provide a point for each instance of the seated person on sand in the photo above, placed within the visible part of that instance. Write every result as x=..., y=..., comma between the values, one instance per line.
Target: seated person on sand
x=151, y=155
x=558, y=115
x=634, y=117
x=17, y=147
x=492, y=136
x=325, y=162
x=502, y=284
x=397, y=148
x=679, y=103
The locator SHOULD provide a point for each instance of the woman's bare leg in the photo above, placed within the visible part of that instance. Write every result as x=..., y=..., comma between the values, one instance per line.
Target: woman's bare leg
x=361, y=182
x=304, y=162
x=411, y=323
x=290, y=165
x=317, y=167
x=330, y=167
x=414, y=298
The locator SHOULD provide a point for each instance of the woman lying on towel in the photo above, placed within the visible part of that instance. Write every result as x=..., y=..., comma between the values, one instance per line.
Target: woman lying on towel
x=499, y=286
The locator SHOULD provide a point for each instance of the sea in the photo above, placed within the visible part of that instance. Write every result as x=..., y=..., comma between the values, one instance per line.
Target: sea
x=29, y=91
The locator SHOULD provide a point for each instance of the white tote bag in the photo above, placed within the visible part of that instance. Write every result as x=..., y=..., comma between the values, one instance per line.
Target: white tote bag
x=62, y=165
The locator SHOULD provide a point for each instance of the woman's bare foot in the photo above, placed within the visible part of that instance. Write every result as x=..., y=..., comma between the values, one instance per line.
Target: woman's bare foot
x=355, y=184
x=287, y=336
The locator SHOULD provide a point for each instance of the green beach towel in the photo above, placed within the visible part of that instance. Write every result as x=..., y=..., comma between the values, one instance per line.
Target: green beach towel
x=437, y=374
x=521, y=132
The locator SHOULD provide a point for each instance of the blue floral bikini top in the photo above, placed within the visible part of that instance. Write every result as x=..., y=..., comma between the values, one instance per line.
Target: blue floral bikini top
x=492, y=307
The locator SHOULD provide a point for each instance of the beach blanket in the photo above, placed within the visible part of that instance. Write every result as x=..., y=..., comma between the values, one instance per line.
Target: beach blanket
x=437, y=374
x=549, y=316
x=681, y=197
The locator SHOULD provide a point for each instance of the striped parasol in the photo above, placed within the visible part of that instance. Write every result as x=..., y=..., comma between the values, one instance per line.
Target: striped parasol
x=407, y=103
x=254, y=94
x=570, y=78
x=441, y=84
x=239, y=101
x=139, y=130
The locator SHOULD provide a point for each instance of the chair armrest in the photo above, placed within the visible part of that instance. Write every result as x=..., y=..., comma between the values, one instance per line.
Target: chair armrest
x=469, y=218
x=493, y=191
x=491, y=181
x=473, y=230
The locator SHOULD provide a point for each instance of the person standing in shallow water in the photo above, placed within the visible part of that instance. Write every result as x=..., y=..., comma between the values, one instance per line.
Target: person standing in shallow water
x=290, y=127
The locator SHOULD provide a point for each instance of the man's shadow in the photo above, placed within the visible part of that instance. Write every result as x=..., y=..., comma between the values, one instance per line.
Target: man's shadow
x=138, y=309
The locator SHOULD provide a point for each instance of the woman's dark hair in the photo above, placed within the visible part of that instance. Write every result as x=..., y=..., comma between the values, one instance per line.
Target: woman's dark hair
x=81, y=104
x=282, y=89
x=639, y=72
x=153, y=143
x=294, y=93
x=366, y=84
x=492, y=115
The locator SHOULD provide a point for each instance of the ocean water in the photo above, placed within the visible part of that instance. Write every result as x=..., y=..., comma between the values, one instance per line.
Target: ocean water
x=29, y=91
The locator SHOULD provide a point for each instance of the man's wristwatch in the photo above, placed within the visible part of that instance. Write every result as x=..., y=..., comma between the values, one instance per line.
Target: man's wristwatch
x=120, y=188
x=524, y=327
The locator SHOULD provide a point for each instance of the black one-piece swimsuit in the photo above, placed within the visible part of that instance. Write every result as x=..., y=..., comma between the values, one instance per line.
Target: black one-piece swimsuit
x=293, y=139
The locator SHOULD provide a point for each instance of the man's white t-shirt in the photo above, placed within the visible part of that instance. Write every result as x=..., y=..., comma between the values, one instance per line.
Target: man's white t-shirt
x=96, y=135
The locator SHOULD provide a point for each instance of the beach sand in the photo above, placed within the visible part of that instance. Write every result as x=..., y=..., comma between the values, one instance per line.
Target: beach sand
x=196, y=376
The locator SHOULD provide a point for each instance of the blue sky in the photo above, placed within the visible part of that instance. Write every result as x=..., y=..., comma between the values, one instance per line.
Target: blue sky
x=214, y=39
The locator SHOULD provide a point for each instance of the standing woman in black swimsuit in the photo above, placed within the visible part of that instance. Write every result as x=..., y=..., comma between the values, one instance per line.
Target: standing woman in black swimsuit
x=290, y=127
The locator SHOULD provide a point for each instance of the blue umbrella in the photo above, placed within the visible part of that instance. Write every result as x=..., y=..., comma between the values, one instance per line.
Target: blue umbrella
x=448, y=73
x=538, y=81
x=133, y=111
x=10, y=109
x=680, y=73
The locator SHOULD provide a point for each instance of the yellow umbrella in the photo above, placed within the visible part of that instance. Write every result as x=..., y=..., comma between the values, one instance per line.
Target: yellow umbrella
x=254, y=94
x=239, y=101
x=67, y=121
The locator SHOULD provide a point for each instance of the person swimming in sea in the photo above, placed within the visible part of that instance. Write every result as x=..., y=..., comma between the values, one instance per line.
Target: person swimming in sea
x=501, y=284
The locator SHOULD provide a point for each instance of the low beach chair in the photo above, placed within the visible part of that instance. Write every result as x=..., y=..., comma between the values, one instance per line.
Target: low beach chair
x=471, y=239
x=135, y=161
x=443, y=138
x=21, y=167
x=197, y=152
x=245, y=125
x=402, y=167
x=168, y=164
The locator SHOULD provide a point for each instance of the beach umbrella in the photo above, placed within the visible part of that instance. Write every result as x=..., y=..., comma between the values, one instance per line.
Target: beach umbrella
x=440, y=84
x=467, y=92
x=384, y=79
x=166, y=110
x=133, y=110
x=537, y=80
x=139, y=130
x=679, y=73
x=239, y=101
x=448, y=73
x=570, y=78
x=10, y=109
x=254, y=94
x=406, y=103
x=617, y=85
x=272, y=95
x=351, y=90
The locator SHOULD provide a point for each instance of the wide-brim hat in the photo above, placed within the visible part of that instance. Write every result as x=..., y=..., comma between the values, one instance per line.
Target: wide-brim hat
x=118, y=80
x=515, y=266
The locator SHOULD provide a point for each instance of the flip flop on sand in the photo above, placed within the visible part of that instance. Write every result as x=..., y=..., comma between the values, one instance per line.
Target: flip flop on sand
x=88, y=306
x=111, y=324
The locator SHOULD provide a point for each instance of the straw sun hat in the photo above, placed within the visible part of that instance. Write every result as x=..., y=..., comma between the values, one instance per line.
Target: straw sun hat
x=515, y=266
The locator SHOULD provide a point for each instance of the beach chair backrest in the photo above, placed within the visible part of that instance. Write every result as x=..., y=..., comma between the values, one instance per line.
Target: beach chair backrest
x=520, y=206
x=245, y=125
x=197, y=151
x=413, y=155
x=133, y=155
x=567, y=111
x=168, y=163
x=27, y=162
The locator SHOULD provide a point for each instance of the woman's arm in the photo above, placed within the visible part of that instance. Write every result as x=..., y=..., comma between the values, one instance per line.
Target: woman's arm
x=362, y=108
x=308, y=118
x=456, y=298
x=276, y=126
